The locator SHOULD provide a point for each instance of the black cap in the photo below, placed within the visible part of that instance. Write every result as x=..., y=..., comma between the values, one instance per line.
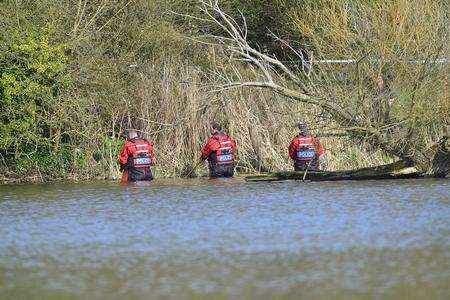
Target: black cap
x=215, y=125
x=303, y=127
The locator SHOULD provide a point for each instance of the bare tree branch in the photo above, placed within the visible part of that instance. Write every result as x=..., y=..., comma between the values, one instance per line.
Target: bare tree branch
x=345, y=90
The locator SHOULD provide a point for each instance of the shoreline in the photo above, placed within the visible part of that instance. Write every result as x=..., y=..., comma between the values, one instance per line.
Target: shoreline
x=241, y=176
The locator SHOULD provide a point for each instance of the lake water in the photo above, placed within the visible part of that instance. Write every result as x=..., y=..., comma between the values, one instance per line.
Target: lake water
x=226, y=239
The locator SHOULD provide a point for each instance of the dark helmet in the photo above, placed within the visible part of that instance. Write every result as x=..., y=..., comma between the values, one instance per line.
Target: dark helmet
x=216, y=125
x=132, y=134
x=303, y=127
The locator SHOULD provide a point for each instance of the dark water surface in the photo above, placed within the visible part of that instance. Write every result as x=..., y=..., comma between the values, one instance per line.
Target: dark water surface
x=226, y=239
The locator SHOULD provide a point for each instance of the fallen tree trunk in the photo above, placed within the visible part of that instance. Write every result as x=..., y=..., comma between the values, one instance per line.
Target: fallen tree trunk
x=397, y=170
x=393, y=106
x=440, y=166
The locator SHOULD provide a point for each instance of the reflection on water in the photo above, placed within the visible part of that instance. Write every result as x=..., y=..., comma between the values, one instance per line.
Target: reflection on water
x=226, y=239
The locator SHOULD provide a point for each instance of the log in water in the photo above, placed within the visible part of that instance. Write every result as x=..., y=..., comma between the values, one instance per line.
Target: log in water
x=398, y=170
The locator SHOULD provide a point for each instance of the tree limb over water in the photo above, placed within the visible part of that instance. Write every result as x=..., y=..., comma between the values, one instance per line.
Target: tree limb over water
x=381, y=99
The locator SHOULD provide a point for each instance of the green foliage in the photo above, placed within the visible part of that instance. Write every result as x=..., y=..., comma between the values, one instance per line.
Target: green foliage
x=32, y=72
x=45, y=162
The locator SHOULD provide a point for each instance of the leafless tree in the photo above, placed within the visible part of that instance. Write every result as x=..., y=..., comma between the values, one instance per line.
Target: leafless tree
x=362, y=112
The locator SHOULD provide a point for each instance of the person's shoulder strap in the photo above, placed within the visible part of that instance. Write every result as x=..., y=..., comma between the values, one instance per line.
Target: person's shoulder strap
x=140, y=141
x=296, y=138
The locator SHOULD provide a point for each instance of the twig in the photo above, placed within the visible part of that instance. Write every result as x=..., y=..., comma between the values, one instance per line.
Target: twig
x=306, y=171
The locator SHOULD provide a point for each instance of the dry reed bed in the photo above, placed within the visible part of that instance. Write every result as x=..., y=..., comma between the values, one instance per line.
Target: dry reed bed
x=173, y=105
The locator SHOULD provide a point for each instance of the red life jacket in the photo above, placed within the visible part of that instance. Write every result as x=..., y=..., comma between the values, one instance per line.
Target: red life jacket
x=305, y=149
x=141, y=155
x=225, y=152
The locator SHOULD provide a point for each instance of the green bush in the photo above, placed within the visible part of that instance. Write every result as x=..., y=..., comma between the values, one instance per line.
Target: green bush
x=33, y=72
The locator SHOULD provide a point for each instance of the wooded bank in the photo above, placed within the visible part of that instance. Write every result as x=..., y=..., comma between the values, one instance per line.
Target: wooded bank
x=74, y=77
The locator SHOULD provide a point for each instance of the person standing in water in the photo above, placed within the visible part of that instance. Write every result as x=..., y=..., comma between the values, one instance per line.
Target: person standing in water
x=136, y=158
x=305, y=150
x=220, y=151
